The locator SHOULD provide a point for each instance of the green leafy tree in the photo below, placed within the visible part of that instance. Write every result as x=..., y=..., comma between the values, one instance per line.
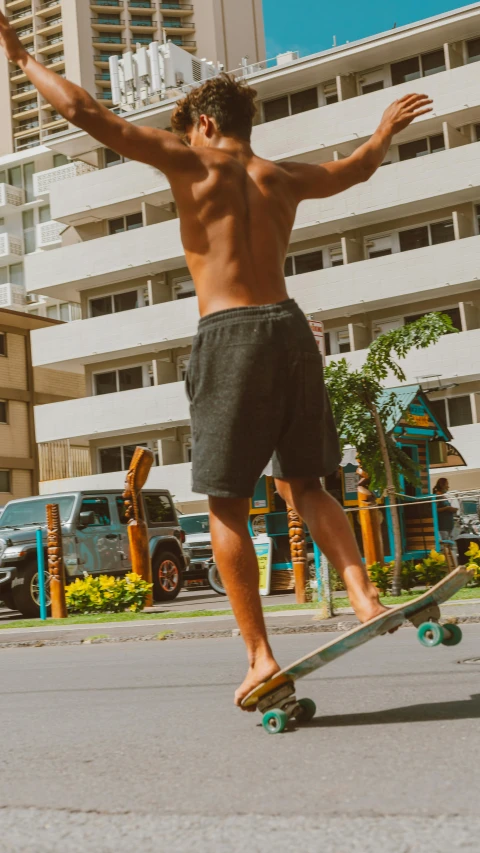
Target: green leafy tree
x=362, y=409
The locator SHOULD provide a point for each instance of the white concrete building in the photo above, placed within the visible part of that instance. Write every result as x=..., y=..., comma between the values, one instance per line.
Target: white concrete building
x=368, y=260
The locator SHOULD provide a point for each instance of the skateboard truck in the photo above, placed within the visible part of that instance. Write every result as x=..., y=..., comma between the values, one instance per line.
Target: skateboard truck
x=281, y=704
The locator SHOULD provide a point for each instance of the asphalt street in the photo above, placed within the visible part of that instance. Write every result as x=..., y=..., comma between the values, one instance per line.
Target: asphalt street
x=136, y=747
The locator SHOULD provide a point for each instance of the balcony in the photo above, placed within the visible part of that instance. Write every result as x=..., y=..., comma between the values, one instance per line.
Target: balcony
x=103, y=23
x=23, y=15
x=26, y=129
x=106, y=97
x=146, y=26
x=49, y=8
x=140, y=4
x=29, y=108
x=12, y=296
x=22, y=92
x=172, y=27
x=176, y=478
x=22, y=145
x=51, y=26
x=10, y=198
x=55, y=61
x=101, y=5
x=44, y=181
x=104, y=39
x=53, y=122
x=49, y=234
x=11, y=249
x=103, y=59
x=51, y=44
x=176, y=9
x=115, y=415
x=187, y=45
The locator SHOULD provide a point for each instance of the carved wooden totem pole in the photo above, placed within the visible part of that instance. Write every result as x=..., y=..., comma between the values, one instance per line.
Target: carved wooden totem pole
x=298, y=551
x=370, y=520
x=138, y=472
x=56, y=568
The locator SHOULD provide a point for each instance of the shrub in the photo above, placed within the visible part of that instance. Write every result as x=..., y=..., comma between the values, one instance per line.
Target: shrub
x=380, y=576
x=473, y=554
x=409, y=575
x=106, y=594
x=432, y=568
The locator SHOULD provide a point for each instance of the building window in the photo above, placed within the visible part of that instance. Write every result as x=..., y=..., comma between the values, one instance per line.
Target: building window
x=453, y=313
x=116, y=302
x=183, y=288
x=52, y=312
x=60, y=160
x=187, y=448
x=44, y=213
x=306, y=262
x=5, y=481
x=337, y=342
x=426, y=235
x=418, y=66
x=182, y=367
x=29, y=233
x=372, y=87
x=477, y=211
x=421, y=147
x=147, y=22
x=119, y=380
x=330, y=92
x=111, y=158
x=473, y=50
x=453, y=411
x=16, y=274
x=125, y=223
x=3, y=344
x=3, y=412
x=289, y=105
x=113, y=459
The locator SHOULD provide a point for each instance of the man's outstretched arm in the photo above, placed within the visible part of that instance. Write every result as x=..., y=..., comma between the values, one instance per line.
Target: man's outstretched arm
x=337, y=176
x=155, y=147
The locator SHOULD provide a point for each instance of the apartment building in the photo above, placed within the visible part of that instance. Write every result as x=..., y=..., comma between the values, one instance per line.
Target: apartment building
x=76, y=38
x=368, y=260
x=21, y=388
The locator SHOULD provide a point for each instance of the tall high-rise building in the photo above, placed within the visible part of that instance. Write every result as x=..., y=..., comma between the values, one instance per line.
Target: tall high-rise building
x=76, y=39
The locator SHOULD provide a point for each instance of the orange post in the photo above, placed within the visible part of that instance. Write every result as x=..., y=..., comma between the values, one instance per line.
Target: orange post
x=370, y=521
x=56, y=568
x=138, y=472
x=298, y=551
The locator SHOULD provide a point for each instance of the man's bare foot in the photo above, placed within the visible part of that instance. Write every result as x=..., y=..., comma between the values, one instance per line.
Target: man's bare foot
x=261, y=671
x=369, y=608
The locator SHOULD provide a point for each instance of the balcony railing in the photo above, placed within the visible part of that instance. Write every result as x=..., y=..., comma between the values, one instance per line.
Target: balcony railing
x=53, y=40
x=12, y=296
x=21, y=145
x=25, y=13
x=10, y=247
x=24, y=32
x=178, y=25
x=105, y=38
x=176, y=6
x=60, y=460
x=112, y=3
x=48, y=234
x=11, y=197
x=140, y=4
x=32, y=105
x=108, y=22
x=104, y=96
x=49, y=3
x=183, y=42
x=43, y=181
x=53, y=58
x=20, y=90
x=104, y=57
x=105, y=76
x=51, y=22
x=28, y=125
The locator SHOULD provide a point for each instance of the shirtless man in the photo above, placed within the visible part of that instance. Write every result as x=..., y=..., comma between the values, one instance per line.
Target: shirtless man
x=255, y=379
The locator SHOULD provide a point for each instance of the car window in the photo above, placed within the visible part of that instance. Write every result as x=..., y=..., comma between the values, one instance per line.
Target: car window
x=159, y=509
x=121, y=509
x=100, y=509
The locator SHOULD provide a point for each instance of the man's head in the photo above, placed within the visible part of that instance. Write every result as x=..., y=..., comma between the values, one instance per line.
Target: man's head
x=222, y=106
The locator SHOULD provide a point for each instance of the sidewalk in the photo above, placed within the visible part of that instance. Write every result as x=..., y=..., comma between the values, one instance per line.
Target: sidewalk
x=202, y=627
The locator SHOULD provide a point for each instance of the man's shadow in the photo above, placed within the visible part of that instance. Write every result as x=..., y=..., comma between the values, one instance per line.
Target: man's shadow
x=463, y=709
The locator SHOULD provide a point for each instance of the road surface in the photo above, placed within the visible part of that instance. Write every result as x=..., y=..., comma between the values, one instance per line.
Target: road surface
x=136, y=747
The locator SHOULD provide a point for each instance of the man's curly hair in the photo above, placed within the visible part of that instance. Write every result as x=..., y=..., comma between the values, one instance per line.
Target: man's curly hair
x=227, y=100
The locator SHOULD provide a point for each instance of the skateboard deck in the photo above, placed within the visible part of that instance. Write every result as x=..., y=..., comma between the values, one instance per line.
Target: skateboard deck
x=278, y=693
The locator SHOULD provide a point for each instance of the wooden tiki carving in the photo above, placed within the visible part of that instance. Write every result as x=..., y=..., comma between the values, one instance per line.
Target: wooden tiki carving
x=298, y=551
x=55, y=562
x=370, y=520
x=138, y=472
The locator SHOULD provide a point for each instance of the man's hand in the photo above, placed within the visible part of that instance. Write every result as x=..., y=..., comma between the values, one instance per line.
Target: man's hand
x=10, y=42
x=402, y=112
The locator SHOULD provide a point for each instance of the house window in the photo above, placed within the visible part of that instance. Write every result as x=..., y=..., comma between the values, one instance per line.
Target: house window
x=337, y=342
x=459, y=410
x=453, y=313
x=3, y=344
x=125, y=379
x=116, y=302
x=372, y=87
x=377, y=247
x=473, y=50
x=5, y=481
x=44, y=213
x=52, y=312
x=426, y=235
x=3, y=412
x=289, y=105
x=421, y=147
x=302, y=263
x=113, y=459
x=125, y=223
x=29, y=233
x=330, y=92
x=111, y=158
x=433, y=63
x=16, y=274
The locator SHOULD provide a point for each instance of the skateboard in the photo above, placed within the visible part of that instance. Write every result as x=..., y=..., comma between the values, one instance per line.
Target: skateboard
x=276, y=699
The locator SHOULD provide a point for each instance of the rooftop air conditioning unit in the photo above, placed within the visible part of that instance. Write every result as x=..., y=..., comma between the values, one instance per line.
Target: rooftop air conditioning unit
x=136, y=77
x=286, y=58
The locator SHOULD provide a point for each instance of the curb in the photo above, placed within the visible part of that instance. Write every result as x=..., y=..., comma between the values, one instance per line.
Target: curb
x=160, y=636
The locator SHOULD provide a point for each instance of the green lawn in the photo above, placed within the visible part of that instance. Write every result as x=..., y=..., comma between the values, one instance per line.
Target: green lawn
x=98, y=619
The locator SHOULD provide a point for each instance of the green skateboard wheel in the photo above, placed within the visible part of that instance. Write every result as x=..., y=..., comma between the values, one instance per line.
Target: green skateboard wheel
x=430, y=634
x=455, y=635
x=274, y=721
x=308, y=710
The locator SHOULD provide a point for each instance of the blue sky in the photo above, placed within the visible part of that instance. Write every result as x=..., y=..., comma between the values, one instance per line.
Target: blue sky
x=309, y=25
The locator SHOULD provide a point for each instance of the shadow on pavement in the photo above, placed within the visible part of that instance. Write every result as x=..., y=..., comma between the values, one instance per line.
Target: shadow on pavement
x=463, y=709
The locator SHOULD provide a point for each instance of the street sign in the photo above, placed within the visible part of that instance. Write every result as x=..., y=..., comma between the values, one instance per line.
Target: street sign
x=319, y=335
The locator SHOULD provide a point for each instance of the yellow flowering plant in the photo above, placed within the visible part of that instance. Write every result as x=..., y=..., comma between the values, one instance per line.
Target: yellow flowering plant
x=432, y=569
x=104, y=594
x=473, y=564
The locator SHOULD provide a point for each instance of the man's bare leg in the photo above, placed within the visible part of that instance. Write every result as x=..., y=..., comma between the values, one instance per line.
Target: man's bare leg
x=329, y=527
x=237, y=563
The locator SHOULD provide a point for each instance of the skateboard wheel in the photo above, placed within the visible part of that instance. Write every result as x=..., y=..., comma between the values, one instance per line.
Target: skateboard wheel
x=430, y=634
x=308, y=710
x=455, y=635
x=274, y=721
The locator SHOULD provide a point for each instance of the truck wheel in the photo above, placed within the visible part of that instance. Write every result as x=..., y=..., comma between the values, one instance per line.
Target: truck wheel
x=215, y=580
x=25, y=590
x=167, y=576
x=6, y=595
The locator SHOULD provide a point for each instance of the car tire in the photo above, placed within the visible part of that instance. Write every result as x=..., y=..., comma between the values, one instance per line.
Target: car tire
x=25, y=590
x=167, y=576
x=6, y=595
x=215, y=580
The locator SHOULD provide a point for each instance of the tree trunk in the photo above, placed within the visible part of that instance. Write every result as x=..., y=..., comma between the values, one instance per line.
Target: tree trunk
x=395, y=516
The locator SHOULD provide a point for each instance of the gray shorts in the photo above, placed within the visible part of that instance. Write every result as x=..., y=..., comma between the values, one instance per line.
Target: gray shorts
x=256, y=391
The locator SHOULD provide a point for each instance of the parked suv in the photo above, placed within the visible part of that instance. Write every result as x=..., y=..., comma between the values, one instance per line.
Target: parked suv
x=95, y=540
